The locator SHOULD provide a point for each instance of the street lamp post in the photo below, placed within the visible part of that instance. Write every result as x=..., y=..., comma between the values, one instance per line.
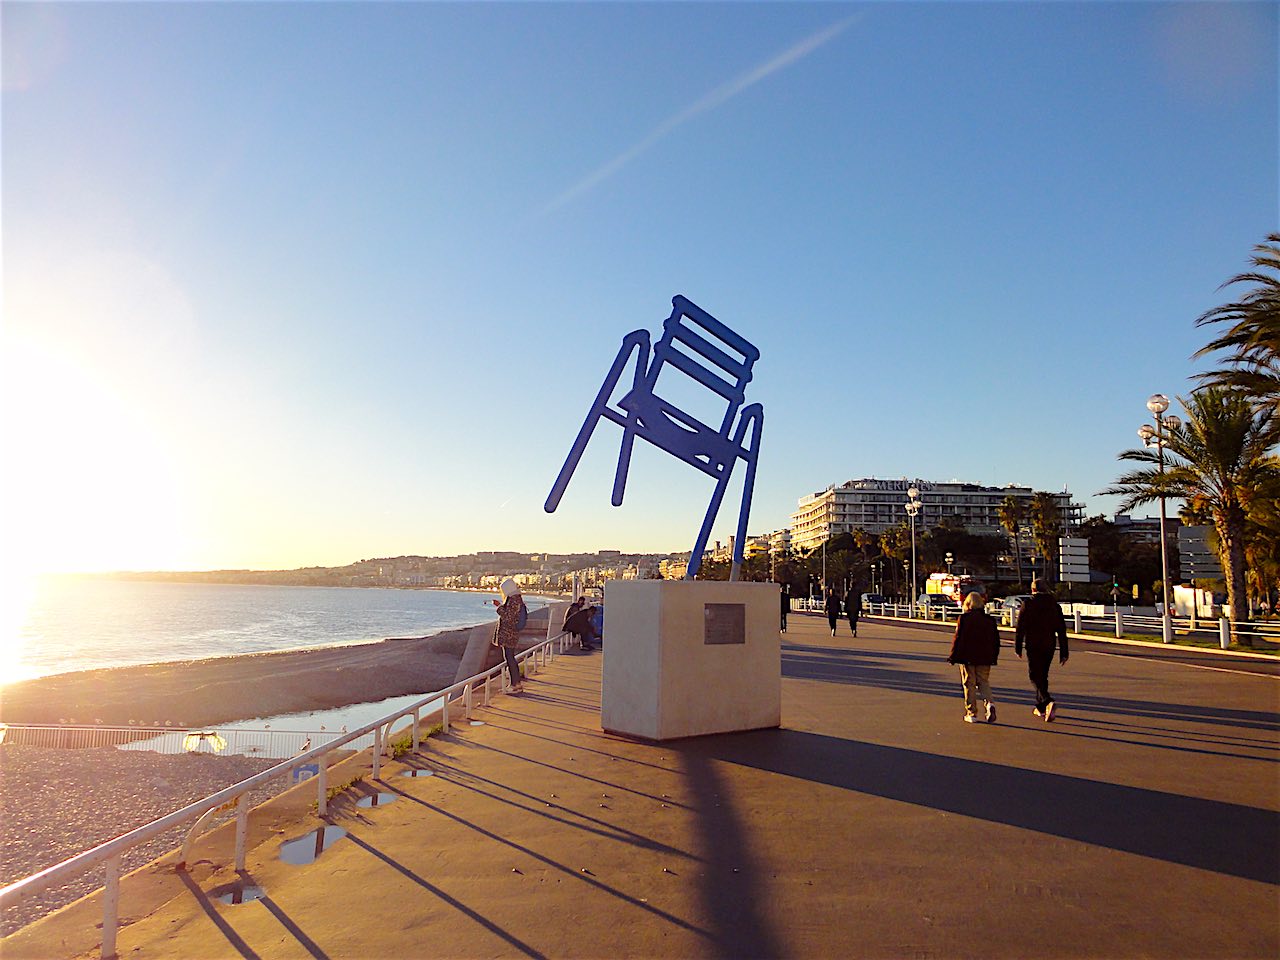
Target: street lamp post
x=949, y=560
x=913, y=506
x=1158, y=403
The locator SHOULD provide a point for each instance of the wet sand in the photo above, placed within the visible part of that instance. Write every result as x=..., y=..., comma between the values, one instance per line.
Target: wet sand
x=196, y=693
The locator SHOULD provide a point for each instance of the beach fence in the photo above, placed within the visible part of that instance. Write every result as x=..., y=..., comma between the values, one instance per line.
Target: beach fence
x=223, y=741
x=463, y=696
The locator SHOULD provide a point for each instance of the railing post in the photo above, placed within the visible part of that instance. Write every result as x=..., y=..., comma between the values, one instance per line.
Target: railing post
x=444, y=714
x=487, y=677
x=111, y=908
x=466, y=701
x=322, y=785
x=1224, y=633
x=1079, y=625
x=415, y=729
x=377, y=751
x=1119, y=623
x=242, y=829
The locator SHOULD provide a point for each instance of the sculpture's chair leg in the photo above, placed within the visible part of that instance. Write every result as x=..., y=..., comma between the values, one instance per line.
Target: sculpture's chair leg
x=637, y=340
x=629, y=428
x=753, y=417
x=695, y=558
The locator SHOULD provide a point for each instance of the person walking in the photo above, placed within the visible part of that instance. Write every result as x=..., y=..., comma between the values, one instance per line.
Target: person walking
x=853, y=608
x=975, y=648
x=1041, y=628
x=512, y=615
x=785, y=593
x=832, y=607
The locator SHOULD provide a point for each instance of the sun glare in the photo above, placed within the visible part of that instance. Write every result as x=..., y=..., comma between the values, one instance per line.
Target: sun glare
x=89, y=486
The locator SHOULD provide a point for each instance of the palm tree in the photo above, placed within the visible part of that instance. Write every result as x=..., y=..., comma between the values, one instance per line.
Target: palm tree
x=1046, y=527
x=1254, y=332
x=1217, y=462
x=1011, y=517
x=895, y=543
x=865, y=540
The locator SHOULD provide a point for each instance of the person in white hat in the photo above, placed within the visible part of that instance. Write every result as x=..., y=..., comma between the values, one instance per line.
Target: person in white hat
x=511, y=617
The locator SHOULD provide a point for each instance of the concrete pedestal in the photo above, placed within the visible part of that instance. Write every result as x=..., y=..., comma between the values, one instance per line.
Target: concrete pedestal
x=685, y=658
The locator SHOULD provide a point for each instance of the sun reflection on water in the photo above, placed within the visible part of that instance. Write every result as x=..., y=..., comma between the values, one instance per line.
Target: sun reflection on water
x=16, y=600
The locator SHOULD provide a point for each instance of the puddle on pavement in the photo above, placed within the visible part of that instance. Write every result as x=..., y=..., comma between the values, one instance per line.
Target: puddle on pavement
x=307, y=847
x=417, y=773
x=375, y=800
x=242, y=895
x=477, y=723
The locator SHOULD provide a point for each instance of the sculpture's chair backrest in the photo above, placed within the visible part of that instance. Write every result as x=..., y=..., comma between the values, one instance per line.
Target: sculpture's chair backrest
x=704, y=350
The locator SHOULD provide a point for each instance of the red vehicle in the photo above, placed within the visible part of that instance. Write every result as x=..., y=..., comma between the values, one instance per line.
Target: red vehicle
x=953, y=586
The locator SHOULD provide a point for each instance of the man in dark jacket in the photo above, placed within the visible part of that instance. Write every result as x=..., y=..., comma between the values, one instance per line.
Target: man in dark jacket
x=581, y=626
x=1041, y=627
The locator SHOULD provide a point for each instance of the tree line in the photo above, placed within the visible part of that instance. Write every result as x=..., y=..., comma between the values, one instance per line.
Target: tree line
x=862, y=561
x=1220, y=463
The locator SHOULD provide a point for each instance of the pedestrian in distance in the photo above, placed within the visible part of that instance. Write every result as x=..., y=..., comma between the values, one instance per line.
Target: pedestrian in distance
x=1041, y=628
x=853, y=608
x=512, y=615
x=833, y=609
x=975, y=648
x=785, y=593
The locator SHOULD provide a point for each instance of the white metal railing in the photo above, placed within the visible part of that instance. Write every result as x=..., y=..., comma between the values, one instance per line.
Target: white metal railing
x=941, y=614
x=1114, y=623
x=236, y=796
x=224, y=741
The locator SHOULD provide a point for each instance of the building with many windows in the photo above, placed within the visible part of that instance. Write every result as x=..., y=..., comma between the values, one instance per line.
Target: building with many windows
x=879, y=505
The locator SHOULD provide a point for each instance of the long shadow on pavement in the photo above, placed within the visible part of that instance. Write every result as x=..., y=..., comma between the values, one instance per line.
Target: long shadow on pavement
x=731, y=890
x=234, y=939
x=1226, y=838
x=581, y=875
x=853, y=667
x=435, y=891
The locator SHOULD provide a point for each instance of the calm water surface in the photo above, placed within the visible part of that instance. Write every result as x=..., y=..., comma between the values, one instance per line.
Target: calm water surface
x=79, y=623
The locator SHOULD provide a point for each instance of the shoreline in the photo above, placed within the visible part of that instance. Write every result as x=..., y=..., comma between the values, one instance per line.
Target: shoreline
x=196, y=693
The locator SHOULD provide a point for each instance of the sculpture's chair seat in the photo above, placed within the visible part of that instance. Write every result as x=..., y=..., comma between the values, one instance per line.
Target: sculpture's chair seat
x=669, y=428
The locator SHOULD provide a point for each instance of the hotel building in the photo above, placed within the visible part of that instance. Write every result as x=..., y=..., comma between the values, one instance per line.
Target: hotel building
x=879, y=505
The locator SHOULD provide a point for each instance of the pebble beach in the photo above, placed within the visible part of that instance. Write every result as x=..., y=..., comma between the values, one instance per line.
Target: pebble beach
x=55, y=803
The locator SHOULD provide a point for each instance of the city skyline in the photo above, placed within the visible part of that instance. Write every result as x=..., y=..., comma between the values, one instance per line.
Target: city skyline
x=288, y=285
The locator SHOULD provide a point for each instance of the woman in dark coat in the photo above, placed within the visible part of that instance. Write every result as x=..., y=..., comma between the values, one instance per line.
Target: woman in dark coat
x=852, y=608
x=975, y=648
x=833, y=610
x=508, y=633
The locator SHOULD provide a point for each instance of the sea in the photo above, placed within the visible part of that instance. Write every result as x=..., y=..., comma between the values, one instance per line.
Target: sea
x=82, y=623
x=66, y=623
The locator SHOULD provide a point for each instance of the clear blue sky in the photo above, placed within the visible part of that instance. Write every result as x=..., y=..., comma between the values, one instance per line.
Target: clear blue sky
x=293, y=284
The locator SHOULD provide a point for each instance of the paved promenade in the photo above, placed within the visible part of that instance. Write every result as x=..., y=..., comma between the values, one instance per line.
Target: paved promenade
x=1143, y=822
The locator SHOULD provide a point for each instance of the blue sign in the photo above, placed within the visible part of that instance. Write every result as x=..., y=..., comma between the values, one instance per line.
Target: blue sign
x=700, y=347
x=305, y=772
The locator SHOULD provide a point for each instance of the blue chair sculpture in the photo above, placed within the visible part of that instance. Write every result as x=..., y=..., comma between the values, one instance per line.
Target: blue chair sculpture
x=714, y=450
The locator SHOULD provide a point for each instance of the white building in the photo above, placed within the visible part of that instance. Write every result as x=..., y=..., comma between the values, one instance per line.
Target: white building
x=879, y=505
x=780, y=542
